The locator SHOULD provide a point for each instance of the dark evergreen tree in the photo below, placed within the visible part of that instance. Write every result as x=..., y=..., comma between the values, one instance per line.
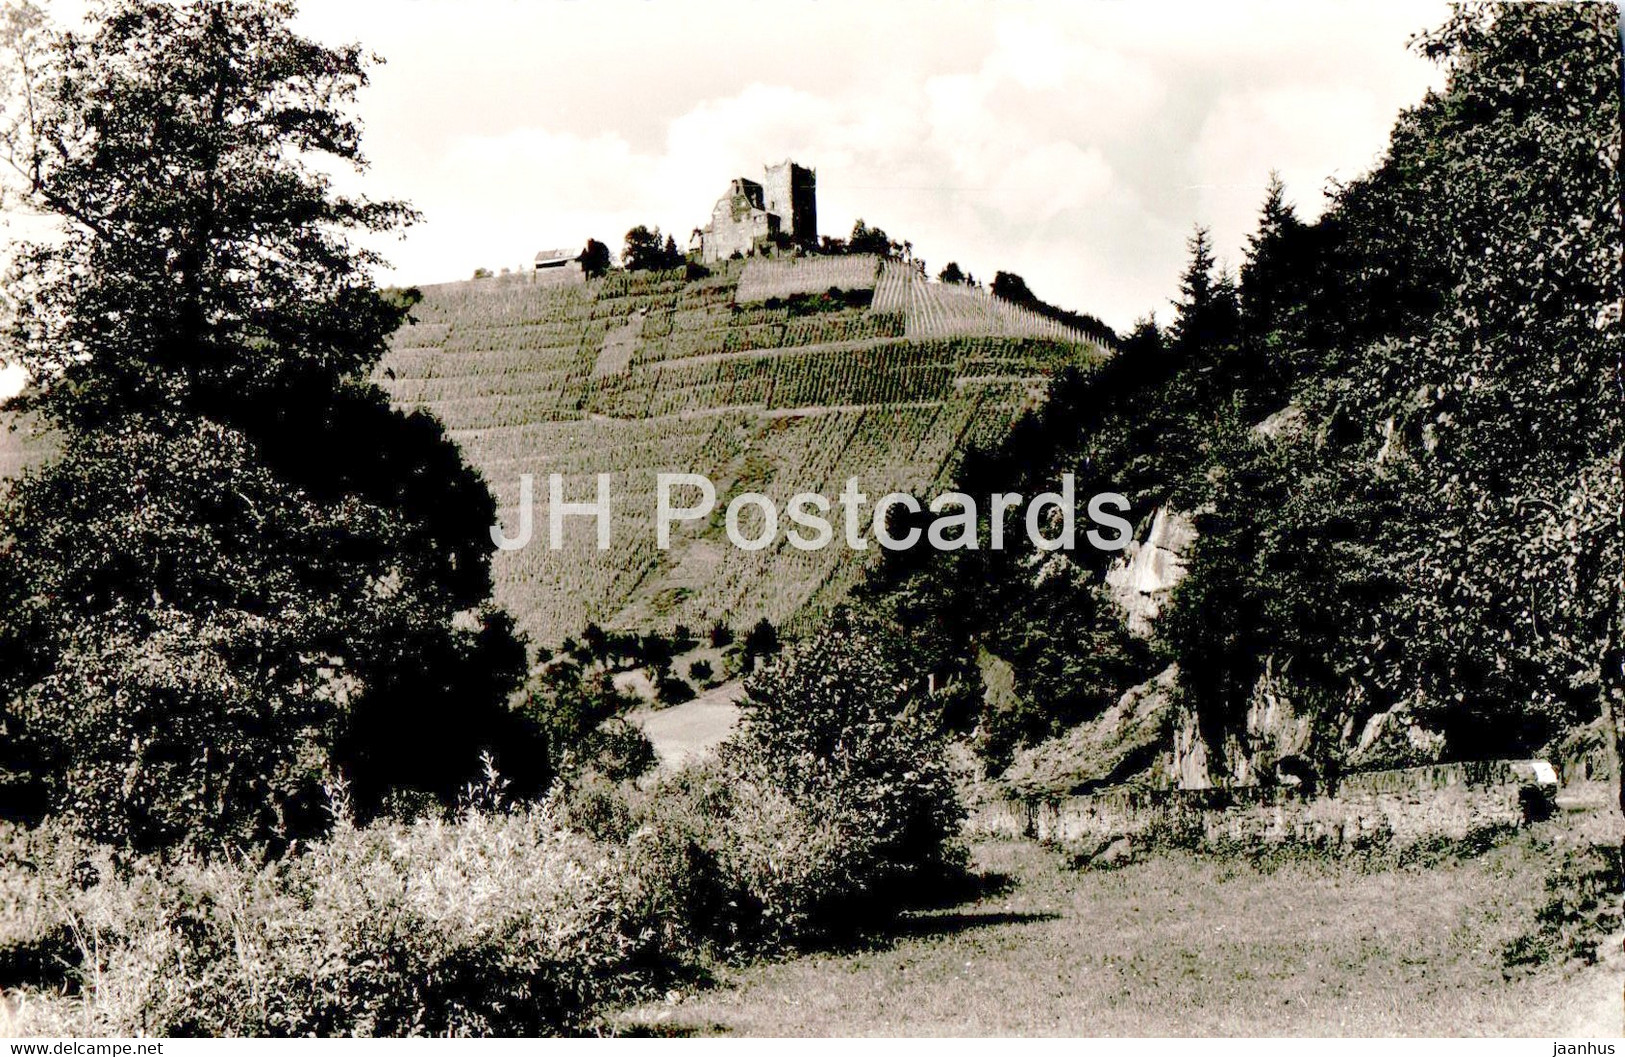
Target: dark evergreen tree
x=595, y=259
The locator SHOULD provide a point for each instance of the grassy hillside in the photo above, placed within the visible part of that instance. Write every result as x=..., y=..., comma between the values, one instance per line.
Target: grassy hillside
x=769, y=376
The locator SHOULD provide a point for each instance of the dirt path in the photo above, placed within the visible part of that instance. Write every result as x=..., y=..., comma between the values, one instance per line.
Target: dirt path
x=685, y=732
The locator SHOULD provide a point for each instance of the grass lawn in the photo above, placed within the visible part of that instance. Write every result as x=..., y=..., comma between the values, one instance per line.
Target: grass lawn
x=1187, y=945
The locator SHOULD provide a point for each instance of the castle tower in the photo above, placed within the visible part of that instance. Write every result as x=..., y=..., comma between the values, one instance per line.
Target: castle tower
x=791, y=192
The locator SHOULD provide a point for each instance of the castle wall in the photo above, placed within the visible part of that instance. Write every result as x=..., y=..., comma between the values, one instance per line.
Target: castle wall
x=790, y=191
x=740, y=223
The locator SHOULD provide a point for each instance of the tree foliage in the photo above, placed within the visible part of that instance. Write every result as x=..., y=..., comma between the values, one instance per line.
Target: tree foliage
x=647, y=250
x=595, y=259
x=1397, y=428
x=246, y=568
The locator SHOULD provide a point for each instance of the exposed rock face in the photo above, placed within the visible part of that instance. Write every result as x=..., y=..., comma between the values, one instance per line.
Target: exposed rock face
x=1393, y=739
x=1140, y=581
x=1187, y=765
x=1274, y=745
x=1286, y=424
x=1121, y=743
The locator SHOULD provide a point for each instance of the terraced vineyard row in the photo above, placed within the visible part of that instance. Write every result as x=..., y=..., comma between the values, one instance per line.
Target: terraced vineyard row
x=945, y=310
x=764, y=278
x=639, y=374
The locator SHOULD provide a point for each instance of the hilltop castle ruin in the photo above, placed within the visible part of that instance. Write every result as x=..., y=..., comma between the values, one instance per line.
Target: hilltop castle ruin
x=781, y=210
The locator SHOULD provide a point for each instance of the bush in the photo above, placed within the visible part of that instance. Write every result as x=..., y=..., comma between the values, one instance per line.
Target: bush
x=671, y=690
x=1582, y=907
x=617, y=750
x=497, y=924
x=830, y=807
x=842, y=730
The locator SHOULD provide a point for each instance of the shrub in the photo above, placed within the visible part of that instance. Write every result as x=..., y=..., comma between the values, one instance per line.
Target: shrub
x=497, y=924
x=841, y=729
x=617, y=750
x=1582, y=907
x=831, y=806
x=673, y=691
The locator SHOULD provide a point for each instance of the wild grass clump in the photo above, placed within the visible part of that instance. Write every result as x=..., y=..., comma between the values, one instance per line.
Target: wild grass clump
x=496, y=923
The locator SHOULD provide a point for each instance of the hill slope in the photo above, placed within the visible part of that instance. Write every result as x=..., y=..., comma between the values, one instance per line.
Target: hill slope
x=776, y=376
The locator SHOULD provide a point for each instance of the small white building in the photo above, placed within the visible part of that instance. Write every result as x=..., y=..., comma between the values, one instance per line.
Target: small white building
x=562, y=265
x=558, y=259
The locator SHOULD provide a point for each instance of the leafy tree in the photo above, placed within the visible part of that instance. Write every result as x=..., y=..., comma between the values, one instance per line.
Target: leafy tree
x=578, y=712
x=595, y=259
x=658, y=652
x=951, y=273
x=274, y=572
x=595, y=641
x=1012, y=287
x=647, y=250
x=672, y=690
x=762, y=640
x=865, y=239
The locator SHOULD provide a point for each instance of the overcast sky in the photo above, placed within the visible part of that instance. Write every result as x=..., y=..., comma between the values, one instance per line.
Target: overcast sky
x=1075, y=144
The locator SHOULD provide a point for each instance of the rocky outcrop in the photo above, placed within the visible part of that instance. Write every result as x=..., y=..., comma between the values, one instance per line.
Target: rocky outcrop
x=1187, y=765
x=1395, y=738
x=1274, y=743
x=1286, y=424
x=1121, y=743
x=1141, y=580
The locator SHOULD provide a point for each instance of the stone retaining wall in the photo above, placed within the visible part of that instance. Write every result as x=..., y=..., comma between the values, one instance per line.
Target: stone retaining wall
x=1404, y=807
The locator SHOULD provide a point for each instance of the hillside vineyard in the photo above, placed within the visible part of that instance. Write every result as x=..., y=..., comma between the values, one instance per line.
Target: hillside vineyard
x=772, y=376
x=953, y=524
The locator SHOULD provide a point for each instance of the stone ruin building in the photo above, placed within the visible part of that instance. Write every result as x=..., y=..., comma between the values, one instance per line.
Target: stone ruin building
x=781, y=211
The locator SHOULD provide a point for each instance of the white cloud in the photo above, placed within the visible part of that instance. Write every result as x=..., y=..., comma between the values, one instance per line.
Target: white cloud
x=1075, y=143
x=1309, y=134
